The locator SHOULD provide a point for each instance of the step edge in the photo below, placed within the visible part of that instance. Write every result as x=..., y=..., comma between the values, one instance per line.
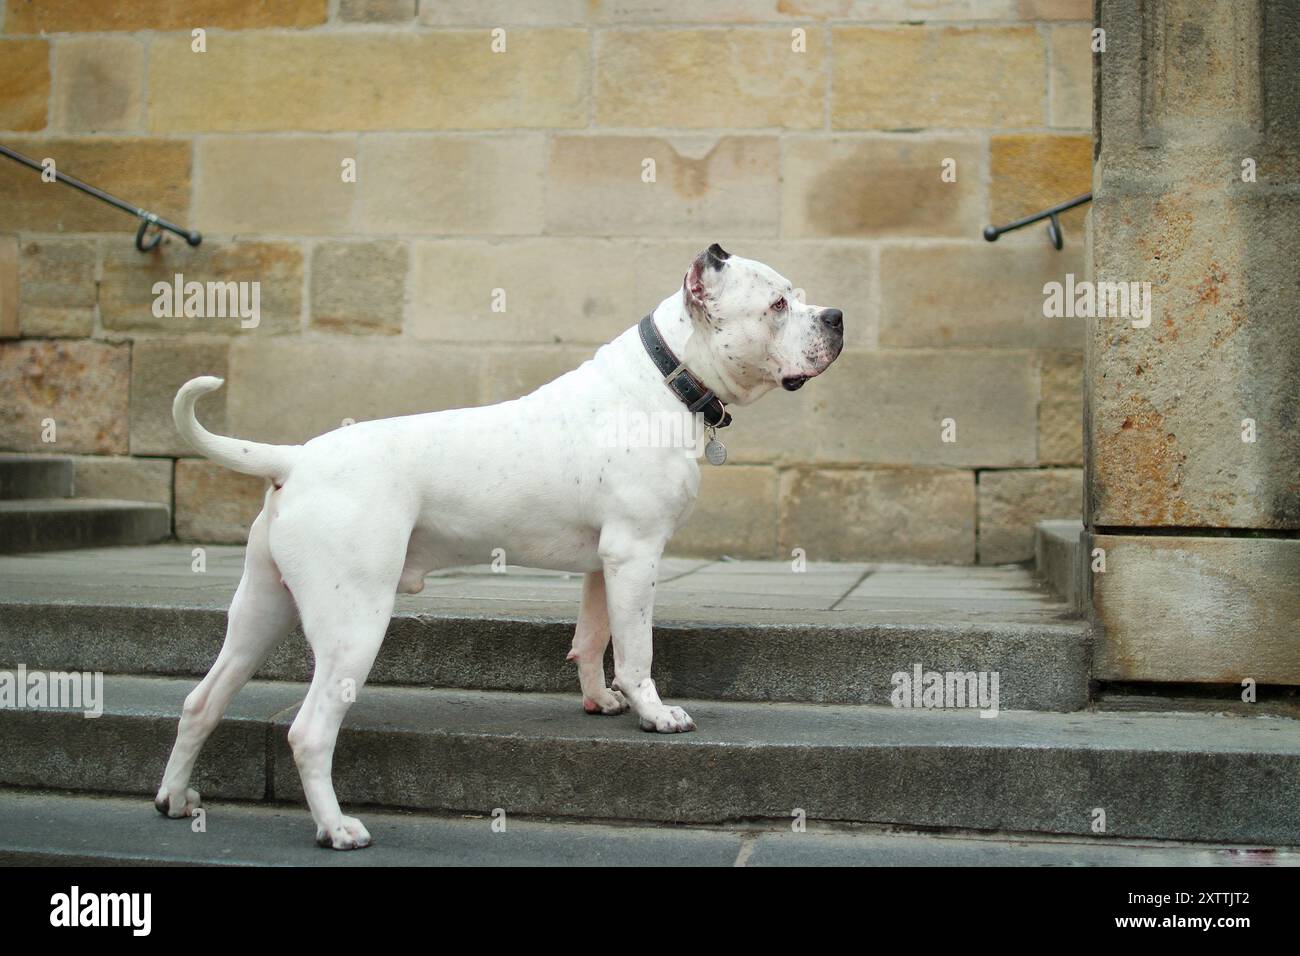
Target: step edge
x=1072, y=628
x=281, y=715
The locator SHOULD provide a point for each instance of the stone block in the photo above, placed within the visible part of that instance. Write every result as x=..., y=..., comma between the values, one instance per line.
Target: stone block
x=289, y=390
x=1012, y=502
x=702, y=185
x=540, y=290
x=755, y=78
x=80, y=386
x=126, y=479
x=1031, y=171
x=1060, y=409
x=24, y=84
x=9, y=272
x=1185, y=609
x=281, y=185
x=350, y=80
x=154, y=172
x=213, y=504
x=129, y=288
x=893, y=514
x=1070, y=103
x=100, y=83
x=359, y=286
x=735, y=514
x=882, y=186
x=78, y=16
x=451, y=185
x=57, y=288
x=911, y=77
x=891, y=408
x=511, y=372
x=975, y=295
x=159, y=367
x=505, y=13
x=1192, y=419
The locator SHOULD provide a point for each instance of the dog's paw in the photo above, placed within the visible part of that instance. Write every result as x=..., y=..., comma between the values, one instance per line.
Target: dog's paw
x=609, y=703
x=176, y=805
x=668, y=720
x=348, y=834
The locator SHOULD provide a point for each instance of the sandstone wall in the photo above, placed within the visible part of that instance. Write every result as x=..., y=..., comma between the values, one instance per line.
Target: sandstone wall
x=522, y=170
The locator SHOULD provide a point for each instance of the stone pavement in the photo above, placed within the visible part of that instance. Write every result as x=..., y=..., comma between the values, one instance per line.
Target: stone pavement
x=45, y=827
x=729, y=591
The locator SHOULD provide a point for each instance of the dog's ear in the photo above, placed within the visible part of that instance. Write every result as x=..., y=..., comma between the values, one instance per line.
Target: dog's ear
x=703, y=275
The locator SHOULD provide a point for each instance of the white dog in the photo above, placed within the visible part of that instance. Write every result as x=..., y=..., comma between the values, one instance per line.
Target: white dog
x=360, y=514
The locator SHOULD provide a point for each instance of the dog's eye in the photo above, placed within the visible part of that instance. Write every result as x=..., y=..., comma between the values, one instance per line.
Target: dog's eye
x=779, y=305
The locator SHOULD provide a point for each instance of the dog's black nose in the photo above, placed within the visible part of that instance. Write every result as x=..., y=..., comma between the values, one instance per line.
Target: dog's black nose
x=833, y=319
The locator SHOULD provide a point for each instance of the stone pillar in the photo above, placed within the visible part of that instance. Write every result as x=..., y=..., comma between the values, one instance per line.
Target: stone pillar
x=1192, y=424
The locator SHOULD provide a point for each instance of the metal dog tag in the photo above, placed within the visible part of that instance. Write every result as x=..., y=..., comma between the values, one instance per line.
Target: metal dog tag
x=715, y=451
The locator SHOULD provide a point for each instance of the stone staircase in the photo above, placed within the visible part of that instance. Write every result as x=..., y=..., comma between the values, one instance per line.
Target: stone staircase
x=38, y=510
x=471, y=708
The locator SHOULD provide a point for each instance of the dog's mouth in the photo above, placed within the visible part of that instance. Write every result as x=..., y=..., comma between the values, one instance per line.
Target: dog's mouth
x=817, y=360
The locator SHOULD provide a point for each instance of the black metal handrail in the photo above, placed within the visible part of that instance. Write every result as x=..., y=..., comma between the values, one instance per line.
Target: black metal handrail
x=991, y=233
x=147, y=218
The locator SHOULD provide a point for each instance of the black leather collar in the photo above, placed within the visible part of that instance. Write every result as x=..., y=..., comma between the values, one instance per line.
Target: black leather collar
x=692, y=392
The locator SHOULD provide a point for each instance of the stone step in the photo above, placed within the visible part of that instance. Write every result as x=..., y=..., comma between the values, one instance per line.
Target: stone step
x=732, y=631
x=42, y=828
x=32, y=476
x=1058, y=560
x=1039, y=666
x=1174, y=777
x=57, y=524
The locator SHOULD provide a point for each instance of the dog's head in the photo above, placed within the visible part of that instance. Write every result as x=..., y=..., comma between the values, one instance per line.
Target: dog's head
x=757, y=330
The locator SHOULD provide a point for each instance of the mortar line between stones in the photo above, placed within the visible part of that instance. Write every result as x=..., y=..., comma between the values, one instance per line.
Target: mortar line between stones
x=1193, y=531
x=856, y=584
x=695, y=570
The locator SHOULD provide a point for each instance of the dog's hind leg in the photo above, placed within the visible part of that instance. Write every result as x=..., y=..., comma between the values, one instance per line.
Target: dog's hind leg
x=590, y=640
x=345, y=628
x=344, y=576
x=261, y=614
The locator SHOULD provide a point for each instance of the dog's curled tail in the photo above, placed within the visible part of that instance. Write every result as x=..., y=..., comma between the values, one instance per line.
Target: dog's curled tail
x=246, y=457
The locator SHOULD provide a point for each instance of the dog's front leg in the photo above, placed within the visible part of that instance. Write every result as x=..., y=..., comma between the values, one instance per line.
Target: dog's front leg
x=631, y=567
